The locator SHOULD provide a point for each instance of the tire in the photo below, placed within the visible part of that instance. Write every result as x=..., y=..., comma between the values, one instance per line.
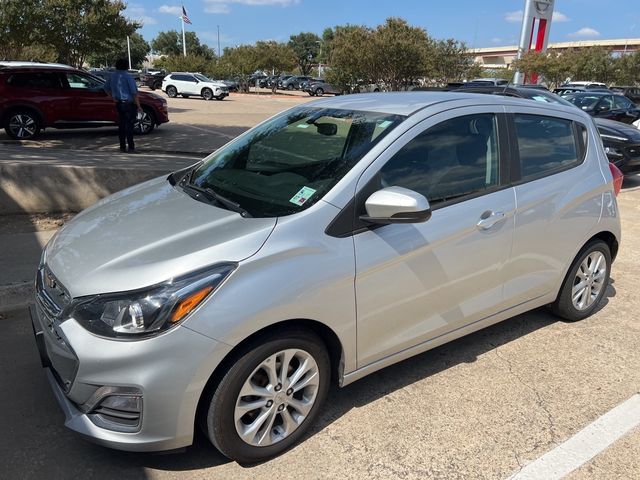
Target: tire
x=319, y=92
x=311, y=93
x=220, y=98
x=376, y=90
x=156, y=85
x=145, y=123
x=290, y=86
x=184, y=95
x=172, y=92
x=22, y=124
x=224, y=421
x=586, y=267
x=207, y=94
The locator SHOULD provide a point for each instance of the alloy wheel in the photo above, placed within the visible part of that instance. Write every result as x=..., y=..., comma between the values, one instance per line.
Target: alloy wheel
x=589, y=280
x=143, y=123
x=277, y=397
x=22, y=126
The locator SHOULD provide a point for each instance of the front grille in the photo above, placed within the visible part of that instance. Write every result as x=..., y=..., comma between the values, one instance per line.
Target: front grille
x=634, y=151
x=52, y=295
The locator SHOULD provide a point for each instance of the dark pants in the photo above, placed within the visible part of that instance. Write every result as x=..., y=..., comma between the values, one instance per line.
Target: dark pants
x=127, y=112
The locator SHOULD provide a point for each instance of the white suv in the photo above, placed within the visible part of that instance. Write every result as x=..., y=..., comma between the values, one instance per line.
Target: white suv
x=187, y=84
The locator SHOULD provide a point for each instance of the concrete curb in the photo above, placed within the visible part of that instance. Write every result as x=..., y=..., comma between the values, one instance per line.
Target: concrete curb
x=15, y=296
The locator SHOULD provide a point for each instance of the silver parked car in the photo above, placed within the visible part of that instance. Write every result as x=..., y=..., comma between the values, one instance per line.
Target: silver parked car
x=330, y=241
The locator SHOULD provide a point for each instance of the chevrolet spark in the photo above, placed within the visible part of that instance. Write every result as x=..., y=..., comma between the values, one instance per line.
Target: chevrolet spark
x=328, y=242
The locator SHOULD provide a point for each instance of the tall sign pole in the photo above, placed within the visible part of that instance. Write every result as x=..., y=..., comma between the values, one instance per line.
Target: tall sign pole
x=129, y=51
x=536, y=22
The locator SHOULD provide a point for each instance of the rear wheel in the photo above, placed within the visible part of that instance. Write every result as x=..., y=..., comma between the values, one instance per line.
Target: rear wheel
x=145, y=122
x=22, y=124
x=172, y=92
x=207, y=94
x=586, y=283
x=269, y=397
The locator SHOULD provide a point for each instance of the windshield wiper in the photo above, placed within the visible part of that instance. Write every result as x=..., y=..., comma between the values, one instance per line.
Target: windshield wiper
x=212, y=196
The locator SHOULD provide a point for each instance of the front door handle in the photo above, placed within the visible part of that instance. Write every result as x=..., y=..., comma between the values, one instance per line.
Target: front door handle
x=489, y=218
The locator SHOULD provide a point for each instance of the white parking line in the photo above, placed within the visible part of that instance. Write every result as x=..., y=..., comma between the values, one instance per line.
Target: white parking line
x=211, y=130
x=585, y=444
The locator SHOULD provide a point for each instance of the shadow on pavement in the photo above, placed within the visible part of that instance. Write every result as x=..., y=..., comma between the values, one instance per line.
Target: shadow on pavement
x=170, y=138
x=35, y=444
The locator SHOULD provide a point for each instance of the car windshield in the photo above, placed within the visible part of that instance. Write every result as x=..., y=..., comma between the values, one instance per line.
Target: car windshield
x=202, y=78
x=584, y=102
x=289, y=162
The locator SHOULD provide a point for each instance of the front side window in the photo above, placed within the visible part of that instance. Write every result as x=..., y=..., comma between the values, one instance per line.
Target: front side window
x=83, y=82
x=452, y=159
x=202, y=78
x=622, y=102
x=288, y=163
x=545, y=145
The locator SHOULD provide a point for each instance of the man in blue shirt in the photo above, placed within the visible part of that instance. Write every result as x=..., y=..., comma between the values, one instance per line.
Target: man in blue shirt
x=122, y=88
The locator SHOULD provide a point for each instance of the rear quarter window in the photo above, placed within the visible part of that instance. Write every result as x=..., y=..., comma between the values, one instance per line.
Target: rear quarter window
x=547, y=145
x=36, y=80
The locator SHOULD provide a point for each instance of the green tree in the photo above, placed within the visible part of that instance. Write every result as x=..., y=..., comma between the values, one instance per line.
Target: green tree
x=401, y=52
x=306, y=47
x=190, y=63
x=139, y=51
x=450, y=61
x=79, y=28
x=352, y=56
x=170, y=43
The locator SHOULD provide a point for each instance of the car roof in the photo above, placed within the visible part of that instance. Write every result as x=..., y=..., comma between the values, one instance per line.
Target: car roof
x=408, y=103
x=18, y=64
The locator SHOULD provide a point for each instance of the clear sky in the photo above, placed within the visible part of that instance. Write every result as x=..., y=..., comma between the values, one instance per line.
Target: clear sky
x=479, y=23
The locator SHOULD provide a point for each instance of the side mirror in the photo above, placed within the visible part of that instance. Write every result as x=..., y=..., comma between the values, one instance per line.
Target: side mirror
x=603, y=108
x=396, y=205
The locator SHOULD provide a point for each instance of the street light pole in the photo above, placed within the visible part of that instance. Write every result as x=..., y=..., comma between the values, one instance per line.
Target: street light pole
x=218, y=41
x=129, y=51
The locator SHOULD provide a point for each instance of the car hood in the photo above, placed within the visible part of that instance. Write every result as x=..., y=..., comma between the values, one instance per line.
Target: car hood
x=147, y=234
x=216, y=84
x=622, y=129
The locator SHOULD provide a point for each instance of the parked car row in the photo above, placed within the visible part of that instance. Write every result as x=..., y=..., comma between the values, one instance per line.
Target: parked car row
x=35, y=96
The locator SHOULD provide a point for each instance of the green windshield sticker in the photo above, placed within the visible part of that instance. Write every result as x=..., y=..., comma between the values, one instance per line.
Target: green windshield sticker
x=304, y=125
x=302, y=196
x=384, y=124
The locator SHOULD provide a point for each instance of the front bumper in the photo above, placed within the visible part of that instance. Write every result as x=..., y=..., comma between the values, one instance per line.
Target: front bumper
x=626, y=157
x=169, y=371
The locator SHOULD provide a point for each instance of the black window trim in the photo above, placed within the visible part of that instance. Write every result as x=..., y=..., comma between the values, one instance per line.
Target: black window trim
x=347, y=222
x=516, y=173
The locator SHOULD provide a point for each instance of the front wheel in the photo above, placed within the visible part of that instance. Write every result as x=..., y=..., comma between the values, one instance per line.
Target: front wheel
x=22, y=124
x=207, y=94
x=319, y=92
x=586, y=283
x=269, y=397
x=145, y=122
x=172, y=92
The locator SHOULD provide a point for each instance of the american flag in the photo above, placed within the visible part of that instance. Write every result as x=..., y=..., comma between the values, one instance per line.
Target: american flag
x=185, y=17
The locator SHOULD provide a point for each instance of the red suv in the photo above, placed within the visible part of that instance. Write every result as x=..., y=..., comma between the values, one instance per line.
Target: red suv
x=34, y=96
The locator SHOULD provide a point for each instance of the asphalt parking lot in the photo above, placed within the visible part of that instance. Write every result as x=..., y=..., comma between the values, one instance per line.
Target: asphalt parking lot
x=481, y=407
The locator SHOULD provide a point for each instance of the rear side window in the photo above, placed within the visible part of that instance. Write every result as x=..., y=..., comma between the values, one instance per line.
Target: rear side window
x=547, y=145
x=36, y=80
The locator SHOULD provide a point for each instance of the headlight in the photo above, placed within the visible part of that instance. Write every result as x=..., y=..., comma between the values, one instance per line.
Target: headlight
x=141, y=313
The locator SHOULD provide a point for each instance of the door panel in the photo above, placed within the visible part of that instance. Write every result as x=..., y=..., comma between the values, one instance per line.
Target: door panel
x=555, y=213
x=415, y=282
x=89, y=102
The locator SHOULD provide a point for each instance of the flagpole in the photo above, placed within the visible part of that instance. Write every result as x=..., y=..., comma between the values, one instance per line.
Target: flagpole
x=184, y=45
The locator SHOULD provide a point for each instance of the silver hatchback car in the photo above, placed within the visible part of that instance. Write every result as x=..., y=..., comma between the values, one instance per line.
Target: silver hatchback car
x=330, y=241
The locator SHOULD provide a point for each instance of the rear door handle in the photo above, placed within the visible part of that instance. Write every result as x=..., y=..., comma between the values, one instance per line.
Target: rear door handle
x=490, y=218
